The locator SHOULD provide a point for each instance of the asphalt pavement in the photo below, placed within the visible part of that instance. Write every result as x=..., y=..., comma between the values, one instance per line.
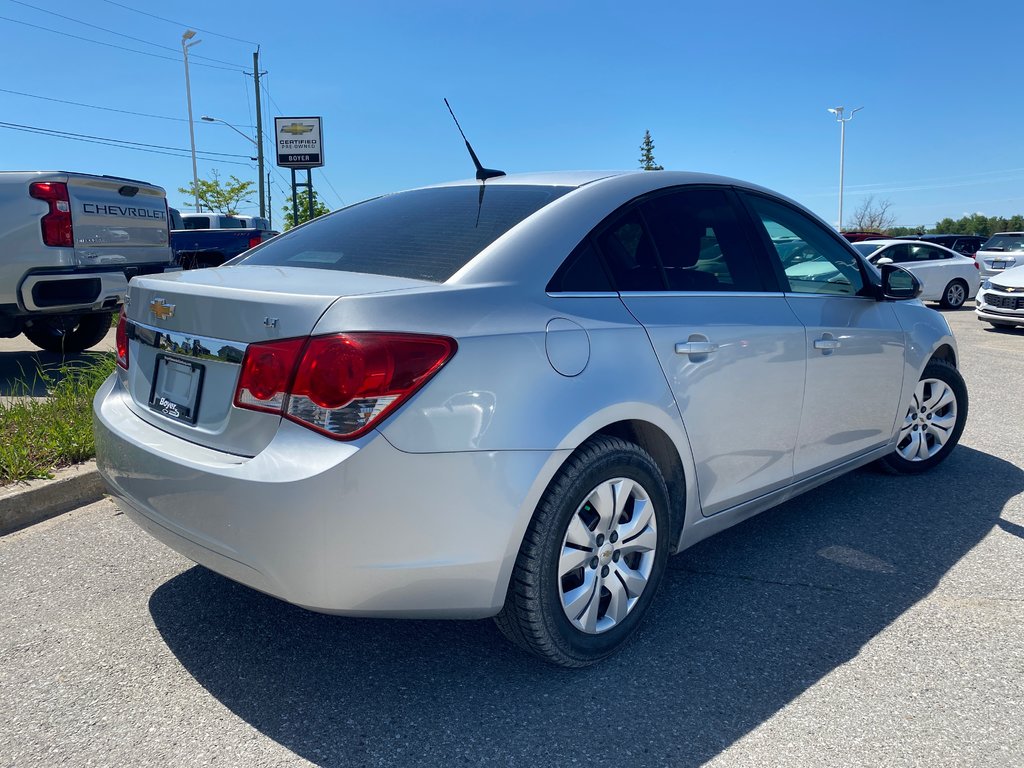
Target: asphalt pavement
x=875, y=621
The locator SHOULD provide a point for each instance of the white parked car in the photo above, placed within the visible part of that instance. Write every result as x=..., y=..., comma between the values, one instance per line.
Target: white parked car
x=946, y=276
x=1001, y=299
x=1004, y=250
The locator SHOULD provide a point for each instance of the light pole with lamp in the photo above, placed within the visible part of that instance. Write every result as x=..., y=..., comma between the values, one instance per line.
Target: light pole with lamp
x=838, y=112
x=185, y=45
x=258, y=158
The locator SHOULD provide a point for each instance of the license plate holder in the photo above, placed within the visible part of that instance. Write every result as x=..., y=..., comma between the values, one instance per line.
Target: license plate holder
x=999, y=264
x=177, y=386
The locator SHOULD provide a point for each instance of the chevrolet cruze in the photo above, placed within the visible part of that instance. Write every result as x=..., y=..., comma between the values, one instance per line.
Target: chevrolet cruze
x=515, y=398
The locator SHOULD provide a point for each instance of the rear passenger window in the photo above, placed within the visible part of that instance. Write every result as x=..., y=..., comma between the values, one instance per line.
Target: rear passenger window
x=582, y=272
x=630, y=255
x=701, y=242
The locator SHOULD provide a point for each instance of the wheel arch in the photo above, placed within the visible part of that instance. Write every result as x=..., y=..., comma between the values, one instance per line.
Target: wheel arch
x=946, y=354
x=659, y=445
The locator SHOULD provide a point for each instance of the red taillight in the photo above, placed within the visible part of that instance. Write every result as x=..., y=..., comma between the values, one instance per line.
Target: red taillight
x=255, y=240
x=121, y=340
x=56, y=224
x=267, y=371
x=341, y=385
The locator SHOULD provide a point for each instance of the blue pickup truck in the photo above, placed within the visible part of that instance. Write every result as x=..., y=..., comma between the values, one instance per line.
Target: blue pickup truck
x=208, y=240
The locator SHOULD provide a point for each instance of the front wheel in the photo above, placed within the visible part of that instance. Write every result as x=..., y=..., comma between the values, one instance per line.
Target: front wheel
x=934, y=420
x=955, y=295
x=68, y=334
x=592, y=557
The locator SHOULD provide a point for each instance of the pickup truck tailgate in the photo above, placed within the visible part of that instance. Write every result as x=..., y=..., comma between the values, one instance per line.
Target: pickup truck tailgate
x=118, y=221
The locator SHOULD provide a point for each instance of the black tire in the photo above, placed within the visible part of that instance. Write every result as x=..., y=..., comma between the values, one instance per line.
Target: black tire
x=955, y=294
x=533, y=617
x=68, y=334
x=942, y=371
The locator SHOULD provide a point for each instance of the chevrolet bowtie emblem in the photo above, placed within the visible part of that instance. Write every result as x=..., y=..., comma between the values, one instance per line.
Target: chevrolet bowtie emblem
x=297, y=129
x=161, y=309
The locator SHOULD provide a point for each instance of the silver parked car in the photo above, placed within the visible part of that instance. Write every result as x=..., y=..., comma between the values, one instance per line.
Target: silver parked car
x=516, y=398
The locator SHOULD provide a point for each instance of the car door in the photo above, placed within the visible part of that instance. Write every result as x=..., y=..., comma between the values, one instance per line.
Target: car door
x=728, y=342
x=854, y=343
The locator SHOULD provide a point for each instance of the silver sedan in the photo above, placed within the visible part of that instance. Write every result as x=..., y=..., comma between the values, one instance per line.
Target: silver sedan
x=515, y=398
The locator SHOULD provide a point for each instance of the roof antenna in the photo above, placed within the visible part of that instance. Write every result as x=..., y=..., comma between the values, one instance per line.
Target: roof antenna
x=481, y=173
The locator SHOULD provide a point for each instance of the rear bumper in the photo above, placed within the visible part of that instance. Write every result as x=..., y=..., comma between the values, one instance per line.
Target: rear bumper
x=81, y=290
x=358, y=528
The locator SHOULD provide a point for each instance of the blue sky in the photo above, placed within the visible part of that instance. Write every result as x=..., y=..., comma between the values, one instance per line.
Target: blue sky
x=735, y=88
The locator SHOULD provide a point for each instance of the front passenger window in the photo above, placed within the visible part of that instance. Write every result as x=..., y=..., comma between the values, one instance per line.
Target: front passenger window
x=812, y=260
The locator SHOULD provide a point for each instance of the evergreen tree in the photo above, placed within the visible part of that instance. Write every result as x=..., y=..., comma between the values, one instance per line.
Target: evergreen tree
x=647, y=154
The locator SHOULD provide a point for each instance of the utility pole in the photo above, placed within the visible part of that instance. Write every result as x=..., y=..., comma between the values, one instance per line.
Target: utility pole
x=259, y=132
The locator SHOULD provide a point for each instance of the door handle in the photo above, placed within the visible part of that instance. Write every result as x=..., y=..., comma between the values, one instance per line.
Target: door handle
x=827, y=343
x=695, y=348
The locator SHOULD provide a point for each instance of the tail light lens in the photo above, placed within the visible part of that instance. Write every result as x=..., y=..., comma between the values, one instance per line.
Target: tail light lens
x=56, y=224
x=341, y=385
x=255, y=240
x=121, y=340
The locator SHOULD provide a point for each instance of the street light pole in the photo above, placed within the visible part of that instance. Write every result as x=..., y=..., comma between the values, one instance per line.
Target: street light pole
x=185, y=45
x=838, y=112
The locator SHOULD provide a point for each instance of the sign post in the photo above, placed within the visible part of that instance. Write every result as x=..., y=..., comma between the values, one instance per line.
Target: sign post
x=299, y=142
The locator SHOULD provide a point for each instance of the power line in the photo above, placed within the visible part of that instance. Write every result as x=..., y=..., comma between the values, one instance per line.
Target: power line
x=119, y=47
x=69, y=134
x=180, y=24
x=114, y=32
x=74, y=137
x=94, y=106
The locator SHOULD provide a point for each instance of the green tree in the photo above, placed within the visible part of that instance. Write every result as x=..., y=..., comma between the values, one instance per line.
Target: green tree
x=319, y=209
x=221, y=196
x=647, y=154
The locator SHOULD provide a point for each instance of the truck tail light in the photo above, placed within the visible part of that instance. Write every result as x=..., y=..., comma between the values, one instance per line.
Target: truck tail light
x=341, y=385
x=255, y=240
x=121, y=340
x=56, y=224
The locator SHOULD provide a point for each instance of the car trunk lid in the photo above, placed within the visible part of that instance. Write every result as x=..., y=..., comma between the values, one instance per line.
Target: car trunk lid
x=118, y=221
x=188, y=332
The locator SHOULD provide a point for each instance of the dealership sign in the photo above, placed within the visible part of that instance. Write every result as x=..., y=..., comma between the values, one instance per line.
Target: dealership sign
x=299, y=142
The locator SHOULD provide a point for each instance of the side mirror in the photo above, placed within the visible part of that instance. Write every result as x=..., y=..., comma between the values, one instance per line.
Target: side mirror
x=898, y=283
x=883, y=260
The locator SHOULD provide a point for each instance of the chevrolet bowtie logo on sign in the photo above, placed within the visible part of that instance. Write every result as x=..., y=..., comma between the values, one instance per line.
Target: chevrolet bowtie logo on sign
x=299, y=142
x=297, y=129
x=161, y=309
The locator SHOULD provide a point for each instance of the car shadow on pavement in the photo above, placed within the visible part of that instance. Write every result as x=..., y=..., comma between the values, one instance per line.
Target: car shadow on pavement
x=745, y=622
x=28, y=374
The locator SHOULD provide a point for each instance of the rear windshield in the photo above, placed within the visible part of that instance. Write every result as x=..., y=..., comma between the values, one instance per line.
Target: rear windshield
x=425, y=234
x=1014, y=242
x=197, y=222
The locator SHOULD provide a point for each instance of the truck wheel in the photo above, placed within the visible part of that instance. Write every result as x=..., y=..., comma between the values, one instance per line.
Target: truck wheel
x=68, y=334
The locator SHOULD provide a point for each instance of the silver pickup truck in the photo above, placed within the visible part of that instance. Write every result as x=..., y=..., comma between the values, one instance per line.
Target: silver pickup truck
x=69, y=244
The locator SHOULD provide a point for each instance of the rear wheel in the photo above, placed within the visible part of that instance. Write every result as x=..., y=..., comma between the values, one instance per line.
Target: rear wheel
x=955, y=294
x=68, y=334
x=592, y=557
x=934, y=421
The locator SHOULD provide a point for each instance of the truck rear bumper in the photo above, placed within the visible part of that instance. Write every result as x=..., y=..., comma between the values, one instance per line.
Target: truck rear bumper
x=42, y=292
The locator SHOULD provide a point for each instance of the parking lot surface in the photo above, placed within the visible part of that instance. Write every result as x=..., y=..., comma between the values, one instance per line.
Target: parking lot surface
x=875, y=621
